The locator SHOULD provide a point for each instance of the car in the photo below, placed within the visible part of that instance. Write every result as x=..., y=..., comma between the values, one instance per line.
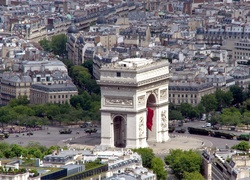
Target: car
x=65, y=131
x=29, y=133
x=86, y=124
x=180, y=130
x=91, y=130
x=208, y=125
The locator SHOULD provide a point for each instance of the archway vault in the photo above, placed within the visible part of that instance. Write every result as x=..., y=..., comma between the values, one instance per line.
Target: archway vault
x=120, y=131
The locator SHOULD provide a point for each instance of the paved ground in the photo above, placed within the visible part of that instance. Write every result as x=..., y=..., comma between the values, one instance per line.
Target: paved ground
x=83, y=140
x=176, y=142
x=41, y=136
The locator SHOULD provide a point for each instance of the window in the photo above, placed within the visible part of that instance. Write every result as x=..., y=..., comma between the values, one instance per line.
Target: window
x=62, y=96
x=51, y=97
x=118, y=74
x=66, y=96
x=59, y=96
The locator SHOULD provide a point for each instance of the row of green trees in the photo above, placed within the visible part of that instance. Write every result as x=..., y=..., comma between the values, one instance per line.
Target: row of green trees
x=19, y=113
x=57, y=44
x=186, y=165
x=150, y=161
x=89, y=98
x=32, y=150
x=212, y=103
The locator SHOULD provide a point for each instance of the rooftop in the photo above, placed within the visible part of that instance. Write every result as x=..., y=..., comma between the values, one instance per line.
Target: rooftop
x=54, y=87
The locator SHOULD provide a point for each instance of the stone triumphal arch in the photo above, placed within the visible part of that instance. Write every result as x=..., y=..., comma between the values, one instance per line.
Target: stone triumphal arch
x=134, y=105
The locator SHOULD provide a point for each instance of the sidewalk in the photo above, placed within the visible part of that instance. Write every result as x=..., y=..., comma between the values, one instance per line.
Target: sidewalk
x=176, y=142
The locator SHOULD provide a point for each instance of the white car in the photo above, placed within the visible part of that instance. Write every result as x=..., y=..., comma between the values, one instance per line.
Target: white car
x=208, y=125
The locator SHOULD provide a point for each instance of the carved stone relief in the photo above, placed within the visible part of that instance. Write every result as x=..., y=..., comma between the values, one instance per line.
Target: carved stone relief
x=164, y=120
x=163, y=94
x=156, y=92
x=118, y=101
x=141, y=100
x=141, y=127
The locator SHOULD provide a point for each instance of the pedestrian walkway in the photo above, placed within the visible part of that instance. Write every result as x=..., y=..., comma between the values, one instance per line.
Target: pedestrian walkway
x=176, y=142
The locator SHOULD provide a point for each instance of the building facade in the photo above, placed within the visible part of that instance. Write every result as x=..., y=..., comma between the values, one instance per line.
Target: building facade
x=14, y=85
x=55, y=93
x=189, y=92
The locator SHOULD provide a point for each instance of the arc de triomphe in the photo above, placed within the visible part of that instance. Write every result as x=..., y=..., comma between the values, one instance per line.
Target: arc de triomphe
x=128, y=88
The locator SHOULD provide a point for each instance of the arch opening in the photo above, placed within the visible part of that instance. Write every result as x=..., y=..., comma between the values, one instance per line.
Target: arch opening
x=151, y=117
x=119, y=132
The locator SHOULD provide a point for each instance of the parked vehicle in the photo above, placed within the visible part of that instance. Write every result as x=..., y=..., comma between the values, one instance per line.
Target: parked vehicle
x=216, y=127
x=171, y=129
x=204, y=117
x=180, y=130
x=222, y=134
x=86, y=124
x=65, y=131
x=208, y=125
x=91, y=130
x=243, y=137
x=6, y=134
x=200, y=131
x=29, y=133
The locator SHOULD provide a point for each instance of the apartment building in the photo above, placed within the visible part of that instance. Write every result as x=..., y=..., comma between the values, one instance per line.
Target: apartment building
x=14, y=85
x=241, y=49
x=191, y=93
x=55, y=93
x=225, y=164
x=138, y=36
x=241, y=76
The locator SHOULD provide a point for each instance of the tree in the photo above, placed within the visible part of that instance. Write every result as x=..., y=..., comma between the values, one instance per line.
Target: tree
x=21, y=100
x=223, y=98
x=237, y=94
x=45, y=44
x=230, y=116
x=58, y=44
x=193, y=175
x=147, y=155
x=246, y=105
x=6, y=115
x=215, y=119
x=186, y=109
x=242, y=146
x=175, y=115
x=209, y=102
x=16, y=149
x=158, y=168
x=89, y=65
x=183, y=161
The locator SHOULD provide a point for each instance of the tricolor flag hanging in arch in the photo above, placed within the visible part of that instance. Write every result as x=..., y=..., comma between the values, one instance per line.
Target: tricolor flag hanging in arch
x=150, y=116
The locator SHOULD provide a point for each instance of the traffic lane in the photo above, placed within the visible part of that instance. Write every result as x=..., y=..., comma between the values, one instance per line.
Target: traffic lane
x=210, y=141
x=44, y=138
x=199, y=124
x=89, y=139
